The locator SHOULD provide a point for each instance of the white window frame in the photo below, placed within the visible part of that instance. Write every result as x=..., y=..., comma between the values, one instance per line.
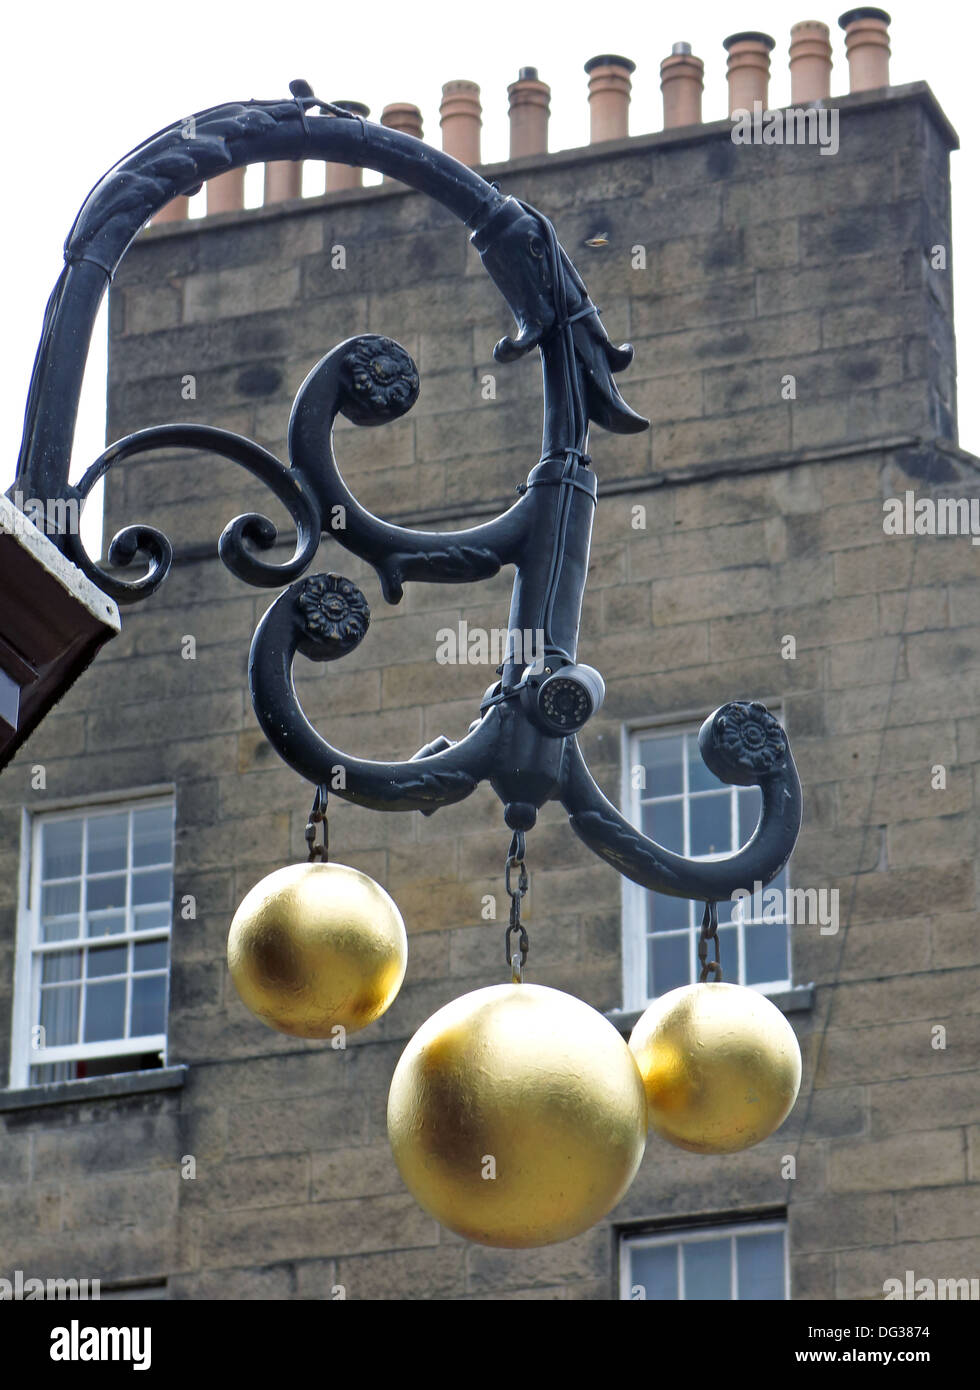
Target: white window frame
x=633, y=930
x=27, y=957
x=689, y=1235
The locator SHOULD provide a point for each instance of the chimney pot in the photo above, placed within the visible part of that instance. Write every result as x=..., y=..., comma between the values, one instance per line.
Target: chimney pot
x=809, y=61
x=283, y=180
x=866, y=40
x=529, y=110
x=609, y=96
x=748, y=70
x=345, y=175
x=682, y=83
x=177, y=210
x=460, y=116
x=226, y=192
x=403, y=116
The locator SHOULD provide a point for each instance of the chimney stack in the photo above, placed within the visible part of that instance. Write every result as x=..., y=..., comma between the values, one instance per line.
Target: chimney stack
x=809, y=62
x=283, y=180
x=529, y=111
x=460, y=118
x=226, y=192
x=866, y=39
x=609, y=97
x=748, y=70
x=346, y=175
x=682, y=82
x=174, y=211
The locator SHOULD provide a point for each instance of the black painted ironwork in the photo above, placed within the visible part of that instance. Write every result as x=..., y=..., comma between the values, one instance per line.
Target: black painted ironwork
x=524, y=742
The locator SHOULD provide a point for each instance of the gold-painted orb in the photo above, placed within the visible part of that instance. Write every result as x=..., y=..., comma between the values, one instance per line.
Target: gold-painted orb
x=517, y=1116
x=721, y=1066
x=317, y=945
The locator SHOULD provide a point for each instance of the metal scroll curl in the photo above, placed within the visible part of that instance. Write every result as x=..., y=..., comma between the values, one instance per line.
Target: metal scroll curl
x=234, y=545
x=324, y=617
x=742, y=744
x=372, y=379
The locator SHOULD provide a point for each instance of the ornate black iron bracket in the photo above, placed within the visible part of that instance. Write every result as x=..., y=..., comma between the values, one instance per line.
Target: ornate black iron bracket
x=524, y=741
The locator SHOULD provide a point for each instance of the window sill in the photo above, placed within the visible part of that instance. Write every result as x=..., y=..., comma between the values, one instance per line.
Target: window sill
x=128, y=1083
x=799, y=999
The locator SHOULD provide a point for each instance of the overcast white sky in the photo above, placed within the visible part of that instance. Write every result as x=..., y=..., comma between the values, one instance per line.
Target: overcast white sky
x=84, y=83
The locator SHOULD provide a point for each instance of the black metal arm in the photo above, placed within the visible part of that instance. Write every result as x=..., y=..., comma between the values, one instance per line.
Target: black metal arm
x=524, y=741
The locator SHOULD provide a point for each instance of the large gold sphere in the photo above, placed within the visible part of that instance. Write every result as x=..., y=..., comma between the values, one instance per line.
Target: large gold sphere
x=721, y=1066
x=517, y=1116
x=317, y=945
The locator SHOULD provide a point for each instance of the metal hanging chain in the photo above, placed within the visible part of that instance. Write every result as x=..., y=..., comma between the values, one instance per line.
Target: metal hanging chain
x=318, y=816
x=515, y=860
x=709, y=932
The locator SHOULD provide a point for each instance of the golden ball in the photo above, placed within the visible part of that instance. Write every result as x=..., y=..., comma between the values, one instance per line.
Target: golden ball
x=317, y=945
x=517, y=1116
x=721, y=1066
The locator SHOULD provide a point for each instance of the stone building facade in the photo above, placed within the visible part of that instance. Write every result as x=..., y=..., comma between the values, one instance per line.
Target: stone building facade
x=794, y=353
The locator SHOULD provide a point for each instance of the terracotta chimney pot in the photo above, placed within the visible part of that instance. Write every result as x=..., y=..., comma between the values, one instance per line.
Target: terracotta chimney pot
x=460, y=117
x=866, y=39
x=283, y=180
x=174, y=211
x=346, y=175
x=226, y=192
x=748, y=70
x=609, y=97
x=809, y=62
x=529, y=99
x=402, y=116
x=682, y=83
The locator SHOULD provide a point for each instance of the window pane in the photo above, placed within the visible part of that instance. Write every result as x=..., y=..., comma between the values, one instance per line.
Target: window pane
x=151, y=918
x=765, y=953
x=760, y=1262
x=62, y=929
x=779, y=905
x=106, y=923
x=661, y=759
x=667, y=914
x=670, y=962
x=663, y=821
x=711, y=824
x=655, y=1268
x=749, y=810
x=106, y=960
x=701, y=780
x=150, y=955
x=107, y=842
x=60, y=899
x=728, y=951
x=149, y=1005
x=61, y=849
x=58, y=966
x=153, y=836
x=105, y=892
x=151, y=887
x=707, y=1269
x=59, y=1015
x=105, y=1007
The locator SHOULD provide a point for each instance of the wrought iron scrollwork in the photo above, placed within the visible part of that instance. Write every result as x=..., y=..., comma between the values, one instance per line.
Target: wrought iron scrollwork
x=251, y=529
x=524, y=747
